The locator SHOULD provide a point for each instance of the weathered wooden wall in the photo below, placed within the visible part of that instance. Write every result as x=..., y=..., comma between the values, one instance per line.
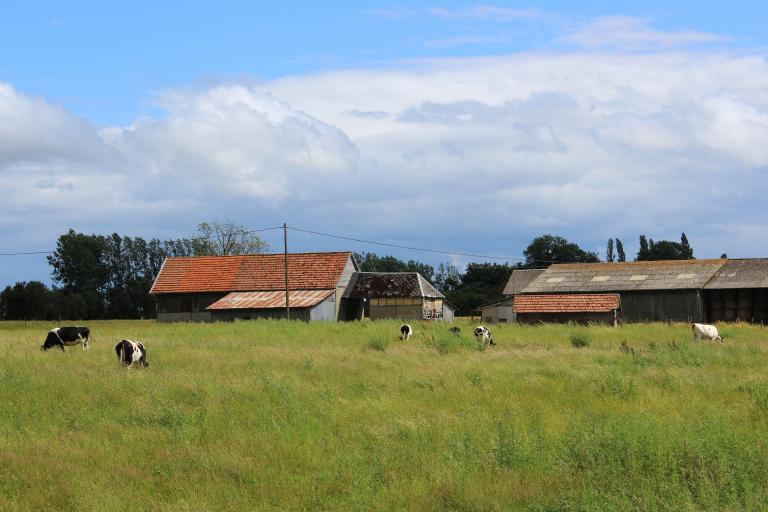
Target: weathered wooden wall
x=662, y=306
x=746, y=305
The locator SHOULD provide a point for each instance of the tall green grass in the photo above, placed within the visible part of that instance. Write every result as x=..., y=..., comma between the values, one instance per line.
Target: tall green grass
x=273, y=415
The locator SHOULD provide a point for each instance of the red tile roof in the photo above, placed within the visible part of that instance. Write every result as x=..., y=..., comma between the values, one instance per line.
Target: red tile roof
x=566, y=303
x=253, y=272
x=271, y=299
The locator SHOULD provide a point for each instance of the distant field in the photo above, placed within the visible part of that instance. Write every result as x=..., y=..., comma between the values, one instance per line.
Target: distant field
x=271, y=415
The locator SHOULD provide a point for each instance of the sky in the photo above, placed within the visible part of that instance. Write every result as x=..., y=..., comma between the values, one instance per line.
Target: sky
x=459, y=126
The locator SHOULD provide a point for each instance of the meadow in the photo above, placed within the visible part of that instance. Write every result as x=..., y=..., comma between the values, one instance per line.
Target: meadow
x=274, y=415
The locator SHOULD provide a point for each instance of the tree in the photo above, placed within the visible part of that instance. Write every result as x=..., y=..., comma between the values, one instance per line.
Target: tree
x=547, y=249
x=372, y=262
x=225, y=239
x=27, y=301
x=724, y=256
x=79, y=267
x=645, y=251
x=664, y=250
x=481, y=283
x=609, y=256
x=447, y=278
x=620, y=251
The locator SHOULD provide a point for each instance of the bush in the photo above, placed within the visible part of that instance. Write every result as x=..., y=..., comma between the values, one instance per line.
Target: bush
x=580, y=340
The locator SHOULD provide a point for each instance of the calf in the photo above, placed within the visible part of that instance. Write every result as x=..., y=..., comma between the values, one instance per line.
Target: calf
x=484, y=335
x=69, y=336
x=405, y=332
x=130, y=352
x=704, y=331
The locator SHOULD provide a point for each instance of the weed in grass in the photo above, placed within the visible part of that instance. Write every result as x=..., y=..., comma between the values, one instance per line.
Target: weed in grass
x=378, y=343
x=308, y=363
x=475, y=377
x=580, y=340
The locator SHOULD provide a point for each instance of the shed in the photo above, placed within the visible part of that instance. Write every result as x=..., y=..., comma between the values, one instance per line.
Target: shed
x=649, y=290
x=405, y=295
x=207, y=288
x=569, y=307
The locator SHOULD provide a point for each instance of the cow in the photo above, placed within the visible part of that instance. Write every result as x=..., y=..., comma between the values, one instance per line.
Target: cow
x=405, y=332
x=69, y=336
x=704, y=331
x=483, y=334
x=454, y=330
x=130, y=352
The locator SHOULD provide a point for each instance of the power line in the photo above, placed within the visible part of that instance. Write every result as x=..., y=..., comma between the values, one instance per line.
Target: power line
x=24, y=253
x=422, y=249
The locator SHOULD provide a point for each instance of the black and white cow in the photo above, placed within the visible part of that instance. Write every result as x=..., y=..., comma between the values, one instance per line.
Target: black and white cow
x=68, y=336
x=405, y=332
x=130, y=352
x=483, y=334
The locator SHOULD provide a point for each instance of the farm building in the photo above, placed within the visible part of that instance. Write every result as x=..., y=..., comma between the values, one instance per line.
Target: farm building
x=210, y=288
x=502, y=311
x=405, y=295
x=570, y=307
x=679, y=290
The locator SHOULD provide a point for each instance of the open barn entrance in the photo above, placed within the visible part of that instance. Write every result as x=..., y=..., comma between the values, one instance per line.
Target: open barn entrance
x=745, y=305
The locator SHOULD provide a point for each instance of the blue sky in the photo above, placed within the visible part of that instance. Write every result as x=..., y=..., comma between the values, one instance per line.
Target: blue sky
x=456, y=125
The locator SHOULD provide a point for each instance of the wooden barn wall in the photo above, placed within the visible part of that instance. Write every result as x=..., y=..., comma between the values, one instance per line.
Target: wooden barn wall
x=562, y=318
x=325, y=311
x=185, y=307
x=662, y=306
x=746, y=305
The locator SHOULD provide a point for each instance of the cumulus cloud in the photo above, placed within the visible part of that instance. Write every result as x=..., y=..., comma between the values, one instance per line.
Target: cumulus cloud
x=476, y=154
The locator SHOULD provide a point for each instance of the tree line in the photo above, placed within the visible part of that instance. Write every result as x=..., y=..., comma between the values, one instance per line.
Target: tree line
x=104, y=277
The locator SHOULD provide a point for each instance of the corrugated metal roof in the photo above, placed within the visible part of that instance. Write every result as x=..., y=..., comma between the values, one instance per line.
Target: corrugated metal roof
x=520, y=279
x=566, y=303
x=741, y=273
x=271, y=299
x=306, y=271
x=625, y=276
x=368, y=285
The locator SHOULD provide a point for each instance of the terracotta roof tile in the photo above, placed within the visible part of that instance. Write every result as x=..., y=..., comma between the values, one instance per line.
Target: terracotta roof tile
x=566, y=303
x=271, y=299
x=253, y=272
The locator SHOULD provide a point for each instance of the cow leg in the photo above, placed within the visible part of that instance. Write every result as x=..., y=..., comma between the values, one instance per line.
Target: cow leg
x=61, y=346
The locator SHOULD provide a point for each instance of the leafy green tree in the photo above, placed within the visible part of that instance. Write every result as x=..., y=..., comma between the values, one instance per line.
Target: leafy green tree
x=664, y=249
x=78, y=265
x=609, y=256
x=481, y=283
x=27, y=301
x=547, y=249
x=620, y=251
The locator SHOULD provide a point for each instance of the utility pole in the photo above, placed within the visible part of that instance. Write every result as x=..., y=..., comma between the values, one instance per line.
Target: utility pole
x=285, y=260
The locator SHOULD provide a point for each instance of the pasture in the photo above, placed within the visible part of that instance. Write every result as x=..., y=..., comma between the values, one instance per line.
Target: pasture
x=271, y=415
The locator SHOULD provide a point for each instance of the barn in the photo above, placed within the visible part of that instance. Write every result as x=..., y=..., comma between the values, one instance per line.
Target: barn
x=211, y=288
x=677, y=291
x=403, y=295
x=580, y=308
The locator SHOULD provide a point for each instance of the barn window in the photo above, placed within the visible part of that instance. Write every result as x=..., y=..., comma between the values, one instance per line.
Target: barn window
x=555, y=280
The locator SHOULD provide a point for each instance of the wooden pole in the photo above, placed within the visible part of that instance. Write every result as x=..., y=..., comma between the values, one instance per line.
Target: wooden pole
x=285, y=261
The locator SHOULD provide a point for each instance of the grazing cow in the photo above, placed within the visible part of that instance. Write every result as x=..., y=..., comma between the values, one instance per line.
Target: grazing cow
x=704, y=331
x=405, y=332
x=130, y=352
x=454, y=330
x=69, y=336
x=483, y=334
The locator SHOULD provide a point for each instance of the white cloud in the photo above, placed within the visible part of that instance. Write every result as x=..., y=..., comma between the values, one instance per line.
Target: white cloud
x=476, y=154
x=634, y=33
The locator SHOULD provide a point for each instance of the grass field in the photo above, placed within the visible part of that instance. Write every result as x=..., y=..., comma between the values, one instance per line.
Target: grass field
x=271, y=415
